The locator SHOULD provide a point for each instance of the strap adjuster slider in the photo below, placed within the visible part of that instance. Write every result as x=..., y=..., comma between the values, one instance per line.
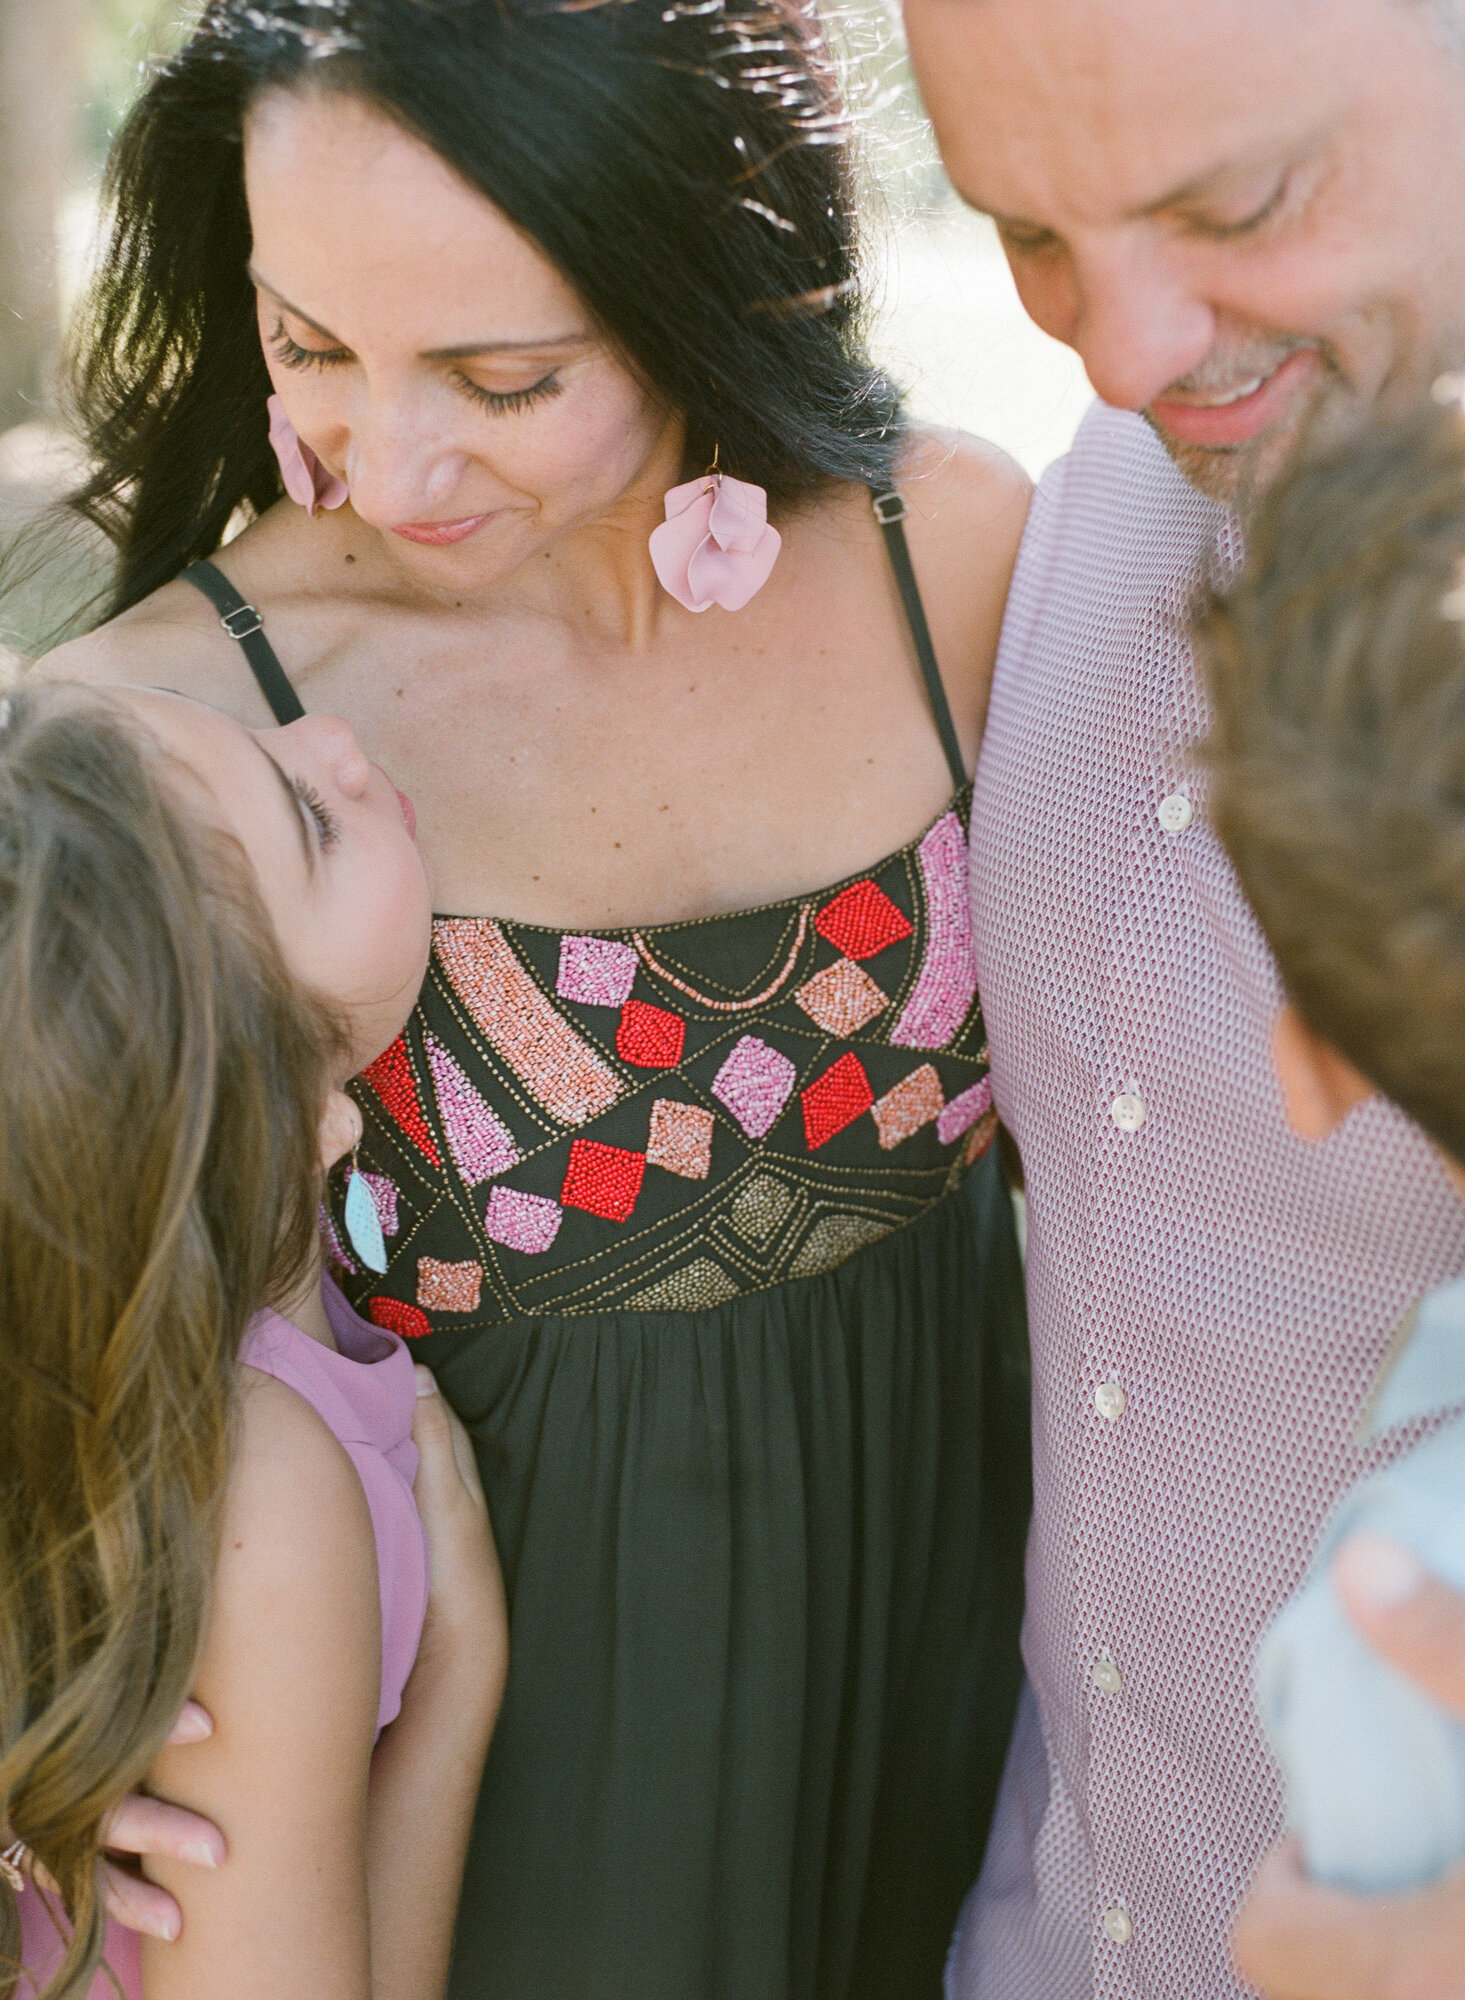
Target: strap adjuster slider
x=247, y=630
x=889, y=508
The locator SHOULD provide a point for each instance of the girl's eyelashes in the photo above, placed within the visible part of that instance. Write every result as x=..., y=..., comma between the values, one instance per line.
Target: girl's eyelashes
x=502, y=401
x=328, y=827
x=292, y=355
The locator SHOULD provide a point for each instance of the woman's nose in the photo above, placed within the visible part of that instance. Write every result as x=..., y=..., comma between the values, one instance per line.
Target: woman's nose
x=399, y=466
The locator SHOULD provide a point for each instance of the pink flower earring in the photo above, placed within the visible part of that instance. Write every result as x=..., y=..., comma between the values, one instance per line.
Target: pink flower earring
x=307, y=482
x=715, y=545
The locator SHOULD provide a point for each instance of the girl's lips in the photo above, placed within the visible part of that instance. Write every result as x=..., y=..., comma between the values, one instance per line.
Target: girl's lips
x=1221, y=424
x=440, y=534
x=409, y=812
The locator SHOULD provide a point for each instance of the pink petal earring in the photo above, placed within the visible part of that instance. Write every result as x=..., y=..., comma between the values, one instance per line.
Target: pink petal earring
x=307, y=482
x=715, y=545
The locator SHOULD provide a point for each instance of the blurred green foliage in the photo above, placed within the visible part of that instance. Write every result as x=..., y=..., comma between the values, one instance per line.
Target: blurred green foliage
x=122, y=38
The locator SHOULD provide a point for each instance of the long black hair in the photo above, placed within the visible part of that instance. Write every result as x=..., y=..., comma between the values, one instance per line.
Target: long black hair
x=685, y=163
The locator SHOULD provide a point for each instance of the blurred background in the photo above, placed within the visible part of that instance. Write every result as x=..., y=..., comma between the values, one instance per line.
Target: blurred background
x=948, y=323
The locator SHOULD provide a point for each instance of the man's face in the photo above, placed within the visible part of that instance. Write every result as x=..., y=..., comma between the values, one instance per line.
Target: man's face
x=1244, y=214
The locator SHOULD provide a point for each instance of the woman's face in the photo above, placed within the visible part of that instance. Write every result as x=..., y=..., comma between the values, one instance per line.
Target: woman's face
x=330, y=842
x=430, y=355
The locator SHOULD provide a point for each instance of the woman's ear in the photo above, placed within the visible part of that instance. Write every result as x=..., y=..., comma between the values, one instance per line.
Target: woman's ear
x=341, y=1127
x=1319, y=1087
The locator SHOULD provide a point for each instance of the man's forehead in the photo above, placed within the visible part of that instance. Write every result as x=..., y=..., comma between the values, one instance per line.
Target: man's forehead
x=1099, y=107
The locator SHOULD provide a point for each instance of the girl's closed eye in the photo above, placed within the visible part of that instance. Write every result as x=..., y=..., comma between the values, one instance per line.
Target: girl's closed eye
x=328, y=827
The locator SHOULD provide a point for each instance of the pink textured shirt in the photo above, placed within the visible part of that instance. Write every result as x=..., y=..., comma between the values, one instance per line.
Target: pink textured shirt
x=1211, y=1299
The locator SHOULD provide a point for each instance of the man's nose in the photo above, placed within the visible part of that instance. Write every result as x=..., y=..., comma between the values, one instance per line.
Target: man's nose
x=1136, y=324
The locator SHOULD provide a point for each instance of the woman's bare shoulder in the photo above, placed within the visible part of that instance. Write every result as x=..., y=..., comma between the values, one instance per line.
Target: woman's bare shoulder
x=172, y=639
x=968, y=506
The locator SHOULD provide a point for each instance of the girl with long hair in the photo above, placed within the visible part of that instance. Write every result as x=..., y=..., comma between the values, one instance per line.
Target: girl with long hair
x=493, y=373
x=203, y=932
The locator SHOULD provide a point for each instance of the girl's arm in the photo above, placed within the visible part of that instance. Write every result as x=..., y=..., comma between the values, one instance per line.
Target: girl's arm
x=426, y=1771
x=291, y=1674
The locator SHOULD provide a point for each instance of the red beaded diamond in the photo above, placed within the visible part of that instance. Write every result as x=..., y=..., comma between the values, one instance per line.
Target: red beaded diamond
x=605, y=1180
x=398, y=1317
x=390, y=1076
x=835, y=1100
x=651, y=1037
x=862, y=920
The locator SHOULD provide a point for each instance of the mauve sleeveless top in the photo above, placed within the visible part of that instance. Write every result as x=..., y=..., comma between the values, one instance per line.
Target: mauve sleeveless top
x=366, y=1394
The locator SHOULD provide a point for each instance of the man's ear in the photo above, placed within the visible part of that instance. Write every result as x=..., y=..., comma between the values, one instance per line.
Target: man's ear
x=1319, y=1087
x=340, y=1128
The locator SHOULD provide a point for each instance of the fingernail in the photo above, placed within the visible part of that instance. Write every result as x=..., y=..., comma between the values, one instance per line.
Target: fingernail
x=199, y=1853
x=426, y=1381
x=166, y=1928
x=192, y=1726
x=1380, y=1573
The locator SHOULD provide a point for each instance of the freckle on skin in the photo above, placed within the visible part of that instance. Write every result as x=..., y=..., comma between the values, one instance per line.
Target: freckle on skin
x=350, y=558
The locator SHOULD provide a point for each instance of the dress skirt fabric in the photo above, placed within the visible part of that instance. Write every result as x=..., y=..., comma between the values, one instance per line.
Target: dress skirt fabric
x=764, y=1566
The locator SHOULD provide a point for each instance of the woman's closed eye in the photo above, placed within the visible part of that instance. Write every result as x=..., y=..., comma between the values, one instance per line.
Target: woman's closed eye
x=291, y=354
x=503, y=400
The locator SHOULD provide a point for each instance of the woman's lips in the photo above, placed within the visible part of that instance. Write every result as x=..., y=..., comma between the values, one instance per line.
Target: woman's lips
x=1243, y=417
x=440, y=534
x=409, y=812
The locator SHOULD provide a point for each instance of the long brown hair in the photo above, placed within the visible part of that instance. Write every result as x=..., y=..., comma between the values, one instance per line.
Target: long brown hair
x=161, y=1082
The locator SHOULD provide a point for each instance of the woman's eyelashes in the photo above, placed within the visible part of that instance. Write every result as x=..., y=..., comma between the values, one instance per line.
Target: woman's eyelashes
x=291, y=354
x=327, y=826
x=503, y=400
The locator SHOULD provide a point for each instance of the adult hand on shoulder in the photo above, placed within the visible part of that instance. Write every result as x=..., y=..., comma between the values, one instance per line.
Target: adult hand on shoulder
x=467, y=1626
x=141, y=1827
x=1296, y=1940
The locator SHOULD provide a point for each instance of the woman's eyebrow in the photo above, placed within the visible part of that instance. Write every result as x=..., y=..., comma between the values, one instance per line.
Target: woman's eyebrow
x=463, y=351
x=293, y=310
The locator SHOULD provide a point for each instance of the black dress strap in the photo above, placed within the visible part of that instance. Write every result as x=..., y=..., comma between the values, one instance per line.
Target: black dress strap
x=242, y=622
x=890, y=512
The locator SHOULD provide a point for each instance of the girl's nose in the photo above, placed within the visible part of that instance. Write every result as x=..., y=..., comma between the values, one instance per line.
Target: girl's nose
x=332, y=743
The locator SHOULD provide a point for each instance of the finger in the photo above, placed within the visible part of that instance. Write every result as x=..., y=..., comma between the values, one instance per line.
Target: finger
x=465, y=1458
x=1406, y=1613
x=138, y=1905
x=149, y=1826
x=1297, y=1941
x=194, y=1725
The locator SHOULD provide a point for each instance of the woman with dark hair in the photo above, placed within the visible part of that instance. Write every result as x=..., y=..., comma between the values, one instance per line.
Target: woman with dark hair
x=681, y=1174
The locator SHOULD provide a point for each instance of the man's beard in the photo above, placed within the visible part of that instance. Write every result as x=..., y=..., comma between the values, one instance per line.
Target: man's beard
x=1238, y=474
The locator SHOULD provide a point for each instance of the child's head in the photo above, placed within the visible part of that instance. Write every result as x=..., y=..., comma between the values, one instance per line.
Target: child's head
x=203, y=932
x=1337, y=676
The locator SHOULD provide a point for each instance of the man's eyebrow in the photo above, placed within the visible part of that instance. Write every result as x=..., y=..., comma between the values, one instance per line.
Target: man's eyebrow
x=466, y=351
x=297, y=808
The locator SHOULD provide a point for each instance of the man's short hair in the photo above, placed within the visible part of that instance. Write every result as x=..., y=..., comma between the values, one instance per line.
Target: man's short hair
x=1337, y=674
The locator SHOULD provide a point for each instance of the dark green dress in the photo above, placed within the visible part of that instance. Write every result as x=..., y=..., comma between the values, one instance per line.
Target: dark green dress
x=703, y=1231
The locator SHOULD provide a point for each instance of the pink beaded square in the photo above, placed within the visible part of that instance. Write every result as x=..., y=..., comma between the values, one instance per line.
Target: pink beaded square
x=681, y=1139
x=520, y=1221
x=597, y=972
x=448, y=1288
x=755, y=1083
x=841, y=998
x=964, y=1111
x=913, y=1103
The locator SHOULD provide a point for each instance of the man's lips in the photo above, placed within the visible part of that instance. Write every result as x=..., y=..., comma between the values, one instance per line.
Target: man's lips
x=1241, y=417
x=440, y=534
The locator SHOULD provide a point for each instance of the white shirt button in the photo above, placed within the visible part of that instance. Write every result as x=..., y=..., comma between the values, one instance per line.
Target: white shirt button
x=1110, y=1401
x=1107, y=1678
x=1128, y=1112
x=1176, y=813
x=1117, y=1927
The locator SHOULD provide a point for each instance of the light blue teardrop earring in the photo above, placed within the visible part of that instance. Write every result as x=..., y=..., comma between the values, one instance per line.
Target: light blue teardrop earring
x=363, y=1224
